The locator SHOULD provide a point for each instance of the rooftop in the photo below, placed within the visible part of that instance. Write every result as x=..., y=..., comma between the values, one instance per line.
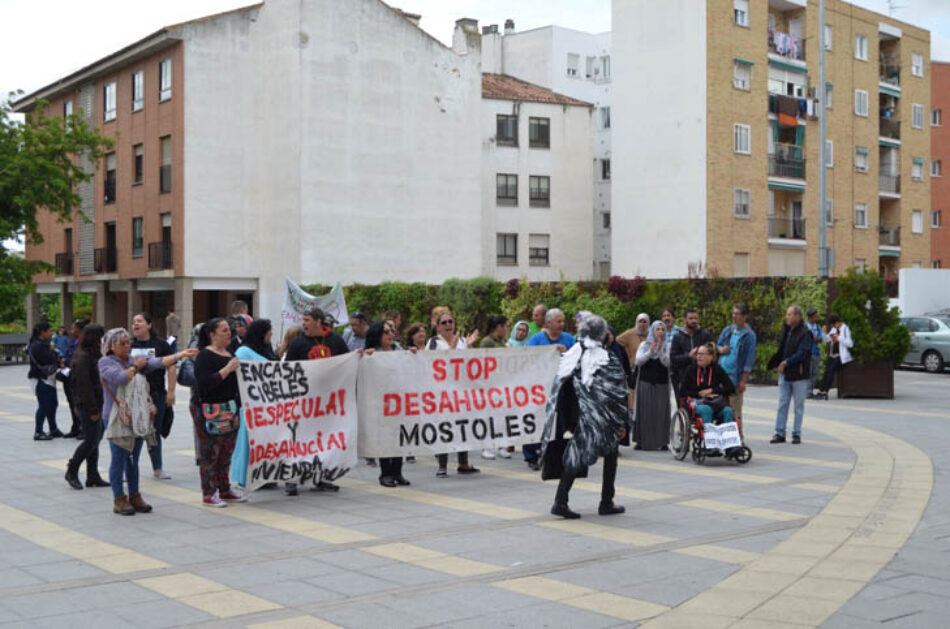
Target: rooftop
x=504, y=87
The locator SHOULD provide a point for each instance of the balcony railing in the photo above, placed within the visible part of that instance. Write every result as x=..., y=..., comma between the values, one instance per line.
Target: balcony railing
x=889, y=236
x=159, y=255
x=890, y=73
x=787, y=160
x=105, y=260
x=787, y=227
x=890, y=128
x=64, y=263
x=786, y=45
x=891, y=184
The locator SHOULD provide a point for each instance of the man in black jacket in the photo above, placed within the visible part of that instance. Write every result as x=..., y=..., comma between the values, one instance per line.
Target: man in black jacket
x=686, y=341
x=793, y=363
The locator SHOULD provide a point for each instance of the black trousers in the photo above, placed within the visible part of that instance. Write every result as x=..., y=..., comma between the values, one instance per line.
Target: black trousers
x=832, y=365
x=390, y=466
x=444, y=459
x=77, y=424
x=606, y=489
x=88, y=450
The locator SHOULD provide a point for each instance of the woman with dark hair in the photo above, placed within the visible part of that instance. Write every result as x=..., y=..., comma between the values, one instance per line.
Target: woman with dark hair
x=87, y=393
x=705, y=383
x=381, y=337
x=147, y=344
x=416, y=336
x=218, y=412
x=256, y=346
x=44, y=365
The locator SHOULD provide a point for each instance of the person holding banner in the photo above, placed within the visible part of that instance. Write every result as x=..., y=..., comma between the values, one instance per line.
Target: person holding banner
x=381, y=336
x=706, y=386
x=256, y=346
x=587, y=417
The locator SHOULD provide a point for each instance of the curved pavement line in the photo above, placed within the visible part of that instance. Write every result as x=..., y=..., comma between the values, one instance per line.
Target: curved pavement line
x=808, y=577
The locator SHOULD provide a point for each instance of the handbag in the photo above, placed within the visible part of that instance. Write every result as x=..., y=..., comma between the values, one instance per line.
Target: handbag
x=123, y=412
x=186, y=373
x=169, y=420
x=220, y=418
x=716, y=403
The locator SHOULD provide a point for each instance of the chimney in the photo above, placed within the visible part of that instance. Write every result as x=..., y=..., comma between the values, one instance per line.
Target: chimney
x=412, y=17
x=490, y=29
x=466, y=39
x=509, y=27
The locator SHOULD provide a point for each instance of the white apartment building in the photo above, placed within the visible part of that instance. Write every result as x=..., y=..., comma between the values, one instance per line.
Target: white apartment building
x=575, y=64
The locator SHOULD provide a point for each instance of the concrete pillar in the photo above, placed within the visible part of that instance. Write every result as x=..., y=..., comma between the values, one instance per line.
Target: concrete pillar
x=133, y=303
x=33, y=314
x=101, y=305
x=185, y=307
x=65, y=305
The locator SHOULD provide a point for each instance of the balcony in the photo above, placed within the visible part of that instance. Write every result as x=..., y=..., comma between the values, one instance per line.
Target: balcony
x=890, y=128
x=785, y=45
x=105, y=260
x=64, y=263
x=889, y=236
x=787, y=160
x=159, y=255
x=890, y=73
x=890, y=184
x=787, y=227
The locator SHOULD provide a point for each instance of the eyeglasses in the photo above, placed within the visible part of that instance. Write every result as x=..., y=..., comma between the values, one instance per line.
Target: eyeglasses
x=388, y=331
x=446, y=321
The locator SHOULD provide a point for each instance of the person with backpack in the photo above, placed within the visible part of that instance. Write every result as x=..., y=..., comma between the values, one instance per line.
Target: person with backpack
x=45, y=363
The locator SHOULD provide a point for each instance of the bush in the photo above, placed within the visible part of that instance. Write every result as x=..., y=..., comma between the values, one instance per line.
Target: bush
x=876, y=329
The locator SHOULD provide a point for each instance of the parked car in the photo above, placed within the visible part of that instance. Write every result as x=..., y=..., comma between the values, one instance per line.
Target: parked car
x=930, y=341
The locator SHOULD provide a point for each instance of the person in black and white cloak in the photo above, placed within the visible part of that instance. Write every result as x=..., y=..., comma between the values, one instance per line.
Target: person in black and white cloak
x=586, y=417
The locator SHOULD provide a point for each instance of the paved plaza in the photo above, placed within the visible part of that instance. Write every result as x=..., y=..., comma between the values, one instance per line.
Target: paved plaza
x=849, y=529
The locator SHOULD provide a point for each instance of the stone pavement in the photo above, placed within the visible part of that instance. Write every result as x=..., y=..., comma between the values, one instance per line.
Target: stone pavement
x=849, y=529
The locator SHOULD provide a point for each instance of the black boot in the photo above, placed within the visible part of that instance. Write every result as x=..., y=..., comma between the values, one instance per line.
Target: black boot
x=72, y=475
x=564, y=512
x=94, y=480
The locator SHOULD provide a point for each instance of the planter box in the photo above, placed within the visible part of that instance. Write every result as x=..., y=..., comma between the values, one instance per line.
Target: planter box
x=869, y=380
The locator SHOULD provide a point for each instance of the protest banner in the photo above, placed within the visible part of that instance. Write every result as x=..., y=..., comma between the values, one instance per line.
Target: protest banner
x=722, y=436
x=297, y=301
x=448, y=401
x=301, y=419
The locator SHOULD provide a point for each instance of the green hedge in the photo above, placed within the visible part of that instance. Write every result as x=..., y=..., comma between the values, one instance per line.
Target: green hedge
x=619, y=301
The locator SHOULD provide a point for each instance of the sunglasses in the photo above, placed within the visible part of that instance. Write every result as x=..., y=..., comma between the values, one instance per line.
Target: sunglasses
x=447, y=322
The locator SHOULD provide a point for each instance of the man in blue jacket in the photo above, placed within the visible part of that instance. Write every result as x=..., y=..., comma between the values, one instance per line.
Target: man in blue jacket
x=737, y=353
x=793, y=363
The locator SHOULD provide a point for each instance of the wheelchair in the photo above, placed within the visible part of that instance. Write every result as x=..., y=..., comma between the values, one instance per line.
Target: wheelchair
x=686, y=436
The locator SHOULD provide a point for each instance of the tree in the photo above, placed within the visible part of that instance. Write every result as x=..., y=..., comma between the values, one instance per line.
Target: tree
x=39, y=170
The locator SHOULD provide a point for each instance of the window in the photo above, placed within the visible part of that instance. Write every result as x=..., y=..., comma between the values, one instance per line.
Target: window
x=539, y=246
x=138, y=237
x=573, y=61
x=936, y=118
x=506, y=189
x=539, y=133
x=740, y=265
x=605, y=64
x=829, y=153
x=606, y=220
x=138, y=90
x=861, y=215
x=917, y=221
x=590, y=68
x=829, y=95
x=138, y=163
x=861, y=159
x=165, y=172
x=917, y=64
x=828, y=32
x=741, y=203
x=742, y=76
x=829, y=212
x=108, y=100
x=741, y=141
x=507, y=249
x=861, y=102
x=861, y=265
x=917, y=169
x=539, y=191
x=935, y=264
x=936, y=168
x=861, y=47
x=605, y=169
x=164, y=80
x=605, y=117
x=787, y=82
x=741, y=12
x=109, y=192
x=917, y=116
x=67, y=109
x=936, y=218
x=506, y=133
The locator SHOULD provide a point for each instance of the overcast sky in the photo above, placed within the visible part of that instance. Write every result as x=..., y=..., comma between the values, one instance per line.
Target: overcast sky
x=43, y=40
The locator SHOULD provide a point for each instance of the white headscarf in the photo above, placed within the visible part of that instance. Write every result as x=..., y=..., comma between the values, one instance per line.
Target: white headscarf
x=588, y=350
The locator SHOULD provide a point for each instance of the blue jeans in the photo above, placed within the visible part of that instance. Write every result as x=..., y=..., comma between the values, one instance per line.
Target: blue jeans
x=125, y=465
x=46, y=406
x=155, y=453
x=788, y=391
x=705, y=413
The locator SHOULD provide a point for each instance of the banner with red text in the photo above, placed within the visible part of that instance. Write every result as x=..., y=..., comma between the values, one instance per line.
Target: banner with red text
x=448, y=401
x=301, y=419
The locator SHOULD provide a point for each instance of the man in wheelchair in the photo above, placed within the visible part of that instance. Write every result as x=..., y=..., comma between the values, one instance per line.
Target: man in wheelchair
x=706, y=387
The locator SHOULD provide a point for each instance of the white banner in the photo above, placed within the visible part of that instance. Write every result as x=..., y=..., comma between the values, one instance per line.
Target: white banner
x=297, y=301
x=301, y=419
x=448, y=401
x=722, y=436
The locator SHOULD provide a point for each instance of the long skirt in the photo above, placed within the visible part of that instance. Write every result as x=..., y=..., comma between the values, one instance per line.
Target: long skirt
x=241, y=456
x=651, y=429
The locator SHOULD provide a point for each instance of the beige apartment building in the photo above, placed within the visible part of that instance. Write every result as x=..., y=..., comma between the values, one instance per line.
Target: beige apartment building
x=731, y=186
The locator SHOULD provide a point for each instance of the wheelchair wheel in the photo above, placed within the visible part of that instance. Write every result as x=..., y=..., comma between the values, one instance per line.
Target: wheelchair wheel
x=679, y=434
x=699, y=450
x=744, y=456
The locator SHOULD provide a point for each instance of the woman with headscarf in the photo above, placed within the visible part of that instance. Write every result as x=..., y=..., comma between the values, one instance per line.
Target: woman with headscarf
x=256, y=346
x=652, y=409
x=632, y=338
x=586, y=417
x=519, y=334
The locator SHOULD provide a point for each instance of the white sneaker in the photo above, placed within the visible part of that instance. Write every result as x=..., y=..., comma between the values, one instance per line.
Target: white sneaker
x=162, y=475
x=503, y=453
x=488, y=454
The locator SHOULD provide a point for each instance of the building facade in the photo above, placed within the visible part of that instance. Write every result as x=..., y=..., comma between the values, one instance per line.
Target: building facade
x=939, y=155
x=578, y=65
x=537, y=188
x=729, y=183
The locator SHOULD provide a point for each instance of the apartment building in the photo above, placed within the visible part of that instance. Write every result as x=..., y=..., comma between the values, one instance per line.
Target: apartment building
x=330, y=140
x=537, y=185
x=716, y=164
x=575, y=64
x=939, y=155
